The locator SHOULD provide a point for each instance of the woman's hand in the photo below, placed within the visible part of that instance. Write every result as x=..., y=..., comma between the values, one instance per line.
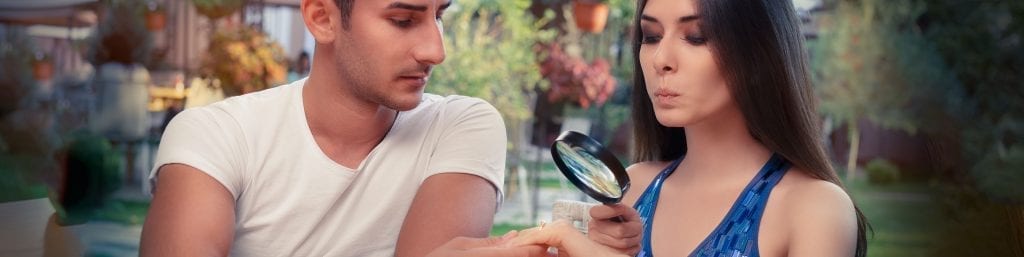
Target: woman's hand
x=488, y=247
x=563, y=235
x=616, y=226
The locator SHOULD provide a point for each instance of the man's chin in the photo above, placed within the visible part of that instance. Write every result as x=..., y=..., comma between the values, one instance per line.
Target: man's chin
x=405, y=102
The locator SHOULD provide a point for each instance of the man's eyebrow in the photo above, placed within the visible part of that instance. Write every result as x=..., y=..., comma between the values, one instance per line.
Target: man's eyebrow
x=445, y=5
x=407, y=6
x=414, y=7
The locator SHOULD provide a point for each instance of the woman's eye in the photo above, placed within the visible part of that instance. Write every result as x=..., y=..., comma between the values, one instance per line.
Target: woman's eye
x=696, y=40
x=650, y=39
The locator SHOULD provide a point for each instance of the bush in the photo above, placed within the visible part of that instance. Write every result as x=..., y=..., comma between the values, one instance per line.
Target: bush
x=881, y=172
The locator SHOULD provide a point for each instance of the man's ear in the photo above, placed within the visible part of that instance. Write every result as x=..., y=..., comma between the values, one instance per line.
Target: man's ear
x=323, y=19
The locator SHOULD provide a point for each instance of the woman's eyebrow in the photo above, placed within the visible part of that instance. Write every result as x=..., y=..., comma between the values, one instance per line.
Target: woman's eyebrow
x=684, y=19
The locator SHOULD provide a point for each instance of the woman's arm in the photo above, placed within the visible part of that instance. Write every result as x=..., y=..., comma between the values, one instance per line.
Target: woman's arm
x=822, y=219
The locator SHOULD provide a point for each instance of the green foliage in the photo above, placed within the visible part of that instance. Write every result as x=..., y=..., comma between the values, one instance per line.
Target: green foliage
x=981, y=41
x=882, y=172
x=490, y=55
x=18, y=183
x=216, y=9
x=952, y=70
x=873, y=62
x=15, y=70
x=91, y=172
x=245, y=59
x=121, y=36
x=26, y=139
x=999, y=175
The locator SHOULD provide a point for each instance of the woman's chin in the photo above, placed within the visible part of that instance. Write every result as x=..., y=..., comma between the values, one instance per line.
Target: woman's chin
x=673, y=119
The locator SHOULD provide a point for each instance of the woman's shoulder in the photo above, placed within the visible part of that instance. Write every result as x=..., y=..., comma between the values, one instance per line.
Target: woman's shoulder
x=801, y=191
x=814, y=210
x=645, y=171
x=640, y=176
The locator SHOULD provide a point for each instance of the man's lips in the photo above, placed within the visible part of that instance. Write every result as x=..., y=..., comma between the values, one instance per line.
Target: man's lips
x=417, y=79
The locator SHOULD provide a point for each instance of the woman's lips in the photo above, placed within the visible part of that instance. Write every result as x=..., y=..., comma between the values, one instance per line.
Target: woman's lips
x=661, y=92
x=664, y=96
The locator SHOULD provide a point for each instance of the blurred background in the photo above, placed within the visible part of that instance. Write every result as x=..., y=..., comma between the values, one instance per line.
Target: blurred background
x=921, y=101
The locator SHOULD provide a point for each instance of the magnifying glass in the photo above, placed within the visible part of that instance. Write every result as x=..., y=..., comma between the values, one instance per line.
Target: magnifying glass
x=590, y=167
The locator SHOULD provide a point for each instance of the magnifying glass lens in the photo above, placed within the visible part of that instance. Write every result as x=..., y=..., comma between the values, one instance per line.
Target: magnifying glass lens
x=589, y=170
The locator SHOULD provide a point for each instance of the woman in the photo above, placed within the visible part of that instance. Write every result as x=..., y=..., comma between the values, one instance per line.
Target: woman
x=727, y=142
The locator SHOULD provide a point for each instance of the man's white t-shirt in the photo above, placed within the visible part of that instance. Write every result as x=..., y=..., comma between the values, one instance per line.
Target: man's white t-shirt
x=292, y=200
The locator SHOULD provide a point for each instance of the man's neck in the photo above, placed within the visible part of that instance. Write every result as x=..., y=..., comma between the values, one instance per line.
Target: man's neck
x=344, y=126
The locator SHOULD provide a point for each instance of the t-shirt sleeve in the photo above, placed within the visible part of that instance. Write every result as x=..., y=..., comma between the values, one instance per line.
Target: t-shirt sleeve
x=207, y=139
x=473, y=142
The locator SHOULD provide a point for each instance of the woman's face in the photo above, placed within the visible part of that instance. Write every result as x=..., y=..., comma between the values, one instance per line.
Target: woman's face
x=683, y=80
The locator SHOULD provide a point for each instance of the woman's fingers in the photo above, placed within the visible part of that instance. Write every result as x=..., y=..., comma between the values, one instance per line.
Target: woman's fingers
x=617, y=226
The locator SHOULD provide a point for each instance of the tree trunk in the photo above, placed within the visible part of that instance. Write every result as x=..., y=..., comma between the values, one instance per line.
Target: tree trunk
x=853, y=133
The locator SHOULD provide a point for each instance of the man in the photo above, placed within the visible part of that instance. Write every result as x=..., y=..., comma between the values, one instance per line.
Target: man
x=352, y=161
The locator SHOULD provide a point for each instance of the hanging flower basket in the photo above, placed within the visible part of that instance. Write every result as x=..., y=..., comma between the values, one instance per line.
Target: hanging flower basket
x=42, y=67
x=216, y=9
x=575, y=81
x=156, y=20
x=590, y=15
x=245, y=60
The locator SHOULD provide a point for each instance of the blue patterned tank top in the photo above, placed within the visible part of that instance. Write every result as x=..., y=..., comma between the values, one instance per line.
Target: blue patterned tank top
x=736, y=234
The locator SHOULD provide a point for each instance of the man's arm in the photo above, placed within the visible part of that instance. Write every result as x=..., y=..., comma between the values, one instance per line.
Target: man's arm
x=191, y=215
x=446, y=206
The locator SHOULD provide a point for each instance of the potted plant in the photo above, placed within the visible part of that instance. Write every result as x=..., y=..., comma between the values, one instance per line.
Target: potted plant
x=590, y=15
x=156, y=17
x=216, y=9
x=573, y=80
x=245, y=60
x=42, y=67
x=118, y=48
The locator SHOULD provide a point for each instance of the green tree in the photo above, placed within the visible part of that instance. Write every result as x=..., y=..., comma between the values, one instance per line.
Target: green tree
x=950, y=69
x=981, y=42
x=490, y=55
x=873, y=62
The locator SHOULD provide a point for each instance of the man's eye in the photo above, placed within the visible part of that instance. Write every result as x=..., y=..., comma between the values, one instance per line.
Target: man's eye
x=402, y=23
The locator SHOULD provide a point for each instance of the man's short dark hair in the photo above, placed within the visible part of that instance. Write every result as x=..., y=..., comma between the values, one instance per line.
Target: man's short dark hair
x=346, y=11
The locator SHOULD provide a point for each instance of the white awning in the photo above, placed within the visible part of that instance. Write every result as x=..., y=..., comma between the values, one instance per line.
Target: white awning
x=65, y=13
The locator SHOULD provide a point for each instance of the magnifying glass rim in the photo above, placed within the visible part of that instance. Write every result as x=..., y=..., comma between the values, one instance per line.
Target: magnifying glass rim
x=591, y=146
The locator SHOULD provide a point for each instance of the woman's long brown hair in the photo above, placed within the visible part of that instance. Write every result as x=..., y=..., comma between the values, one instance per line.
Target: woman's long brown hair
x=759, y=50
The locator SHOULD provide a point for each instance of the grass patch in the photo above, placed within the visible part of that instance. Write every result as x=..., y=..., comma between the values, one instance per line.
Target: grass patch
x=126, y=212
x=502, y=228
x=905, y=217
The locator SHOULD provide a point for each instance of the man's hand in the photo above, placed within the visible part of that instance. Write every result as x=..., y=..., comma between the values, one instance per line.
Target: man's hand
x=616, y=226
x=563, y=235
x=487, y=247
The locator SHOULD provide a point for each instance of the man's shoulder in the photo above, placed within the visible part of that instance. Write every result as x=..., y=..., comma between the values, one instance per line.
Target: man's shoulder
x=453, y=105
x=450, y=100
x=238, y=112
x=258, y=102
